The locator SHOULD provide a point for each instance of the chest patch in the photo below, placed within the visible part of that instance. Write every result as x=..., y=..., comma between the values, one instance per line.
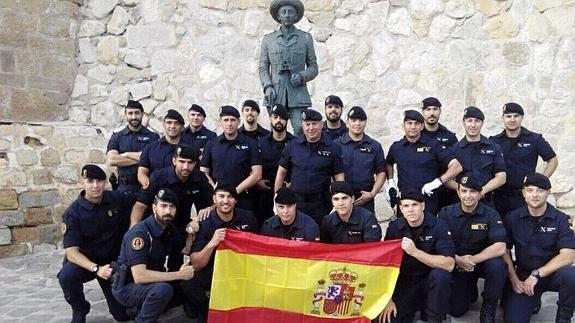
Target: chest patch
x=353, y=232
x=365, y=150
x=487, y=152
x=479, y=226
x=242, y=147
x=137, y=243
x=325, y=153
x=547, y=229
x=425, y=238
x=145, y=139
x=423, y=149
x=523, y=144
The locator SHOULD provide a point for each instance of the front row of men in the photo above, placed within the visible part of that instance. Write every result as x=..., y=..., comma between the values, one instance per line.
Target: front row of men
x=443, y=258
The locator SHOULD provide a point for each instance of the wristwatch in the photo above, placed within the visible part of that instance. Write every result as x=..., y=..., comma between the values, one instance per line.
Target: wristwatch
x=535, y=273
x=95, y=269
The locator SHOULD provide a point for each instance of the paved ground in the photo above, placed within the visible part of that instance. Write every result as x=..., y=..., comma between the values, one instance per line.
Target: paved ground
x=30, y=293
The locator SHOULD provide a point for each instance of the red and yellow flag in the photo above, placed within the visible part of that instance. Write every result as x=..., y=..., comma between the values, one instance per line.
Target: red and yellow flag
x=265, y=279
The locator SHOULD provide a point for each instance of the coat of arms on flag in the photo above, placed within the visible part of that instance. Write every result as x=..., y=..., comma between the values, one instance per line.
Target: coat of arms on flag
x=340, y=296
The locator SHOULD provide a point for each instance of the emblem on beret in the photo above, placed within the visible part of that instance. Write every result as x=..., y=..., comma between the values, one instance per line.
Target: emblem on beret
x=274, y=109
x=63, y=228
x=327, y=100
x=161, y=193
x=303, y=116
x=351, y=112
x=422, y=105
x=525, y=179
x=465, y=111
x=137, y=243
x=464, y=180
x=179, y=151
x=504, y=107
x=85, y=173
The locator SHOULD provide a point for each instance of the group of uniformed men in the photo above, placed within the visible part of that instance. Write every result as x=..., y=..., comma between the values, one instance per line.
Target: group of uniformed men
x=462, y=206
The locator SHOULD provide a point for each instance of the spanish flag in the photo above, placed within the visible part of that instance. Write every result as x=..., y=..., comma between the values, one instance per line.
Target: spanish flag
x=265, y=279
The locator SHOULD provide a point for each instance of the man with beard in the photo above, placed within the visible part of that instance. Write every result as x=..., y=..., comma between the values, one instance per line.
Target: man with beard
x=313, y=160
x=480, y=156
x=363, y=160
x=93, y=227
x=347, y=223
x=333, y=127
x=521, y=150
x=250, y=126
x=419, y=162
x=233, y=158
x=196, y=134
x=158, y=154
x=544, y=254
x=142, y=281
x=125, y=147
x=479, y=238
x=191, y=188
x=289, y=223
x=213, y=231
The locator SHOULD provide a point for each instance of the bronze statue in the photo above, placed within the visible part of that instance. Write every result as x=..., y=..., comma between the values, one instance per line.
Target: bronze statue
x=287, y=61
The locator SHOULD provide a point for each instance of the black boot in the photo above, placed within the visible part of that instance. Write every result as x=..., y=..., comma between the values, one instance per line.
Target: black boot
x=564, y=314
x=487, y=314
x=79, y=314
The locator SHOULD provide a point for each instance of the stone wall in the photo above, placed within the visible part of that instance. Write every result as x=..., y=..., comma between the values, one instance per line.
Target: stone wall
x=383, y=55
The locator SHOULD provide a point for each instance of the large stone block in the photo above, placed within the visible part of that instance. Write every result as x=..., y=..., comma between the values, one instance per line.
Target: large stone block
x=66, y=174
x=54, y=26
x=8, y=200
x=12, y=177
x=27, y=105
x=11, y=218
x=91, y=28
x=5, y=235
x=137, y=58
x=108, y=48
x=119, y=21
x=423, y=9
x=51, y=233
x=41, y=176
x=97, y=157
x=104, y=114
x=50, y=157
x=87, y=50
x=38, y=216
x=141, y=90
x=14, y=250
x=502, y=26
x=459, y=8
x=101, y=73
x=562, y=19
x=101, y=8
x=26, y=157
x=157, y=35
x=25, y=234
x=39, y=199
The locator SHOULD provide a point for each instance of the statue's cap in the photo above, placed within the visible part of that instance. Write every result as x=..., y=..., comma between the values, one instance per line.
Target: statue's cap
x=277, y=4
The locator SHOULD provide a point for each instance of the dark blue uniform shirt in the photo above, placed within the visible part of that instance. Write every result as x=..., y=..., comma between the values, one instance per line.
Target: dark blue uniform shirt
x=130, y=141
x=473, y=232
x=537, y=239
x=230, y=161
x=195, y=191
x=361, y=160
x=521, y=155
x=198, y=139
x=242, y=220
x=97, y=229
x=257, y=134
x=361, y=226
x=271, y=154
x=444, y=137
x=432, y=237
x=312, y=164
x=333, y=134
x=418, y=163
x=158, y=154
x=303, y=228
x=483, y=158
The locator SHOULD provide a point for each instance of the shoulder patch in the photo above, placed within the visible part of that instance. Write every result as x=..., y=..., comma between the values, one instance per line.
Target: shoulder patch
x=63, y=228
x=137, y=243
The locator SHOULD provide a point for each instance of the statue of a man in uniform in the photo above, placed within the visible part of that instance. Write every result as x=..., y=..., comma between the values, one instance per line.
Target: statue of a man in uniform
x=287, y=61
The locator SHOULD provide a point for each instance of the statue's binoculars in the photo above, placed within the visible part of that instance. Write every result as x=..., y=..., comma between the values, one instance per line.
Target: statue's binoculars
x=285, y=67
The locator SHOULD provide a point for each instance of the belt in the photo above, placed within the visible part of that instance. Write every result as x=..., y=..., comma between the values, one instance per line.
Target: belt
x=128, y=180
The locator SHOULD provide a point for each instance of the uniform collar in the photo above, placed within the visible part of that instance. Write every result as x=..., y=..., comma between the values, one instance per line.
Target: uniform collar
x=298, y=223
x=353, y=219
x=478, y=210
x=126, y=131
x=301, y=139
x=171, y=175
x=222, y=137
x=524, y=131
x=428, y=221
x=295, y=33
x=345, y=139
x=198, y=132
x=155, y=229
x=405, y=142
x=87, y=204
x=549, y=212
x=464, y=142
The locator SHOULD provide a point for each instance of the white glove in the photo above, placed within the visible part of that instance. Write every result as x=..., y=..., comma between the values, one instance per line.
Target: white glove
x=389, y=185
x=429, y=187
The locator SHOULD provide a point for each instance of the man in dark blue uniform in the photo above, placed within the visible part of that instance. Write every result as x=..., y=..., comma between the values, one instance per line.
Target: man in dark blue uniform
x=419, y=161
x=158, y=154
x=190, y=186
x=521, y=149
x=363, y=160
x=125, y=147
x=289, y=223
x=212, y=232
x=333, y=126
x=544, y=254
x=141, y=280
x=196, y=134
x=480, y=156
x=424, y=277
x=348, y=224
x=479, y=238
x=93, y=227
x=272, y=146
x=313, y=160
x=250, y=126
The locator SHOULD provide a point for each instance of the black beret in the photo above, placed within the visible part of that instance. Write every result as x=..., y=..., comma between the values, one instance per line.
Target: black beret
x=513, y=107
x=471, y=181
x=198, y=109
x=227, y=187
x=412, y=115
x=357, y=112
x=430, y=102
x=473, y=112
x=173, y=114
x=281, y=111
x=252, y=104
x=90, y=171
x=310, y=114
x=228, y=110
x=184, y=151
x=167, y=195
x=411, y=194
x=285, y=196
x=536, y=179
x=134, y=105
x=341, y=187
x=334, y=99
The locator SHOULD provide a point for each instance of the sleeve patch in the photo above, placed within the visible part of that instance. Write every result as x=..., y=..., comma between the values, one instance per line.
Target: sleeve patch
x=137, y=243
x=63, y=228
